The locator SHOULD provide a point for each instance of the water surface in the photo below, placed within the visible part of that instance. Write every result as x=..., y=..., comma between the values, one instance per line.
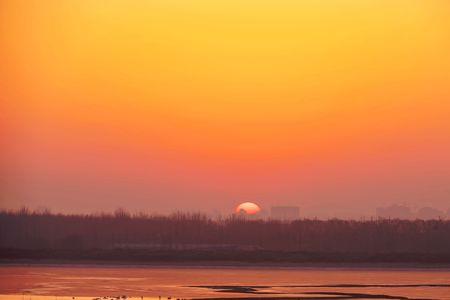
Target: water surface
x=65, y=282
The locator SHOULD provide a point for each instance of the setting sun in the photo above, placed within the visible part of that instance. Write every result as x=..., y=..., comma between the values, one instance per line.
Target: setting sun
x=248, y=208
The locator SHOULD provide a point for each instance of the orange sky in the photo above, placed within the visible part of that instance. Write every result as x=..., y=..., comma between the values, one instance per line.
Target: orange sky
x=335, y=106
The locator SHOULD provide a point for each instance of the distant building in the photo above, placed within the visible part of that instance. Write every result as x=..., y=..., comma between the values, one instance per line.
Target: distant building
x=429, y=213
x=395, y=212
x=285, y=213
x=404, y=212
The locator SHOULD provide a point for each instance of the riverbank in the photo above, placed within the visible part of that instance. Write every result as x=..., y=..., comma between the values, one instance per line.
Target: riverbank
x=225, y=264
x=220, y=258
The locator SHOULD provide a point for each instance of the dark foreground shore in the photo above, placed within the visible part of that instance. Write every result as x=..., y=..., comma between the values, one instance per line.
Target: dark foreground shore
x=222, y=258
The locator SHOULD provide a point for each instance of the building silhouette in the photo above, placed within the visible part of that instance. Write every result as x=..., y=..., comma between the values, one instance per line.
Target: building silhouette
x=395, y=212
x=430, y=213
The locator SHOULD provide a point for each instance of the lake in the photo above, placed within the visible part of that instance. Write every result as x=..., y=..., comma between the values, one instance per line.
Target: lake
x=150, y=282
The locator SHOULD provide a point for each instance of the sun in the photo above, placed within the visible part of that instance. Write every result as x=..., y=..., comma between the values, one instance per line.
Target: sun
x=248, y=208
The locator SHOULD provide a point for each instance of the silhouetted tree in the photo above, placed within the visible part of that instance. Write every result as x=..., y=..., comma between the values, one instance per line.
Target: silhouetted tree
x=25, y=229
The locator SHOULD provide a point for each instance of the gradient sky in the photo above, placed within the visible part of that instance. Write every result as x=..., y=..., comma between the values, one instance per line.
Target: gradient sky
x=335, y=106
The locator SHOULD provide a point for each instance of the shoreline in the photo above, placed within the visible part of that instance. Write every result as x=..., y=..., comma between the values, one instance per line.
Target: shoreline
x=223, y=257
x=227, y=264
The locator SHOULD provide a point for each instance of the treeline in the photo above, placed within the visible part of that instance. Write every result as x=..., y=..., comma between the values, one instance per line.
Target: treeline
x=183, y=231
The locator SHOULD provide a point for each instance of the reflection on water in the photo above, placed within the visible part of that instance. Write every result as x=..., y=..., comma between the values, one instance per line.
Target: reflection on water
x=172, y=283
